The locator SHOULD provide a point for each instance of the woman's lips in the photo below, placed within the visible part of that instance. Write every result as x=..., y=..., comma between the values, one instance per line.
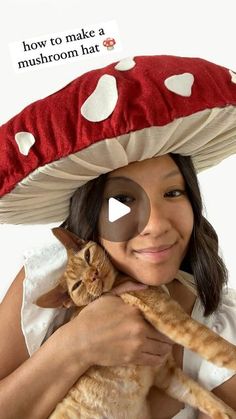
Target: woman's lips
x=153, y=255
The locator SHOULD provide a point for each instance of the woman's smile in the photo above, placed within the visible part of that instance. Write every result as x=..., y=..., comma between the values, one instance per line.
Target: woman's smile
x=154, y=255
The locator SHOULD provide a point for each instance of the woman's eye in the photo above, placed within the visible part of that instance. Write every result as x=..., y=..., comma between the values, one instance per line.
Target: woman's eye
x=173, y=193
x=125, y=199
x=87, y=255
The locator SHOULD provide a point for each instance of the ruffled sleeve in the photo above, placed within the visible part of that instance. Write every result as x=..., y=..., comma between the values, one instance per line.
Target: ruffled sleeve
x=223, y=322
x=43, y=268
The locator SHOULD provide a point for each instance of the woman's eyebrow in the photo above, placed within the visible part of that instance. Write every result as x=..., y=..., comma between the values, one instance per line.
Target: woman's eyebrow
x=174, y=172
x=118, y=178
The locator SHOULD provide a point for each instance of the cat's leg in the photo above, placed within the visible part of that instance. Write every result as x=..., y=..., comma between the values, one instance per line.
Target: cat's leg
x=178, y=385
x=167, y=316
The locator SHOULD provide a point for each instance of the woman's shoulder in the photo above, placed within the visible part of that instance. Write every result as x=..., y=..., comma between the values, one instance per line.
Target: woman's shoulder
x=223, y=322
x=224, y=318
x=44, y=265
x=13, y=350
x=228, y=297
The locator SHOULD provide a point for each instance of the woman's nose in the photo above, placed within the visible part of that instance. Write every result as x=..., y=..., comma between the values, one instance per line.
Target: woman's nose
x=159, y=221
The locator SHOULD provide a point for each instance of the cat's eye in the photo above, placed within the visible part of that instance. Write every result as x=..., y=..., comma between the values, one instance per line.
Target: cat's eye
x=75, y=286
x=87, y=255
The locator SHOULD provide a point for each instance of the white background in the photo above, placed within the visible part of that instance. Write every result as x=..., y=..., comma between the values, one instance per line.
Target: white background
x=204, y=28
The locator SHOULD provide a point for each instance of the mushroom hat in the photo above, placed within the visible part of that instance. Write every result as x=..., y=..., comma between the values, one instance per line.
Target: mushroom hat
x=131, y=110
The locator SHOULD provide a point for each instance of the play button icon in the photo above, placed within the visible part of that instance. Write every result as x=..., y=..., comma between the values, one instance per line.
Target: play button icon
x=125, y=210
x=116, y=210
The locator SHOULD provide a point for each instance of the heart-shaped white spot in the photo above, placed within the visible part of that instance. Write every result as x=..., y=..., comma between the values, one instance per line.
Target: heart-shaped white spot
x=125, y=64
x=180, y=84
x=233, y=76
x=102, y=102
x=24, y=140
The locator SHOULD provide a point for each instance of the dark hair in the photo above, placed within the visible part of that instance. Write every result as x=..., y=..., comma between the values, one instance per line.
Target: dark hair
x=202, y=259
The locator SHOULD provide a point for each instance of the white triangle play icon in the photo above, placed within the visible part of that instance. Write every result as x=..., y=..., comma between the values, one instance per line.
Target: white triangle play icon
x=116, y=210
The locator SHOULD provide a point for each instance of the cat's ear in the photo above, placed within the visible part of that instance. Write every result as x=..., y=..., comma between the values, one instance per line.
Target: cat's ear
x=68, y=239
x=57, y=297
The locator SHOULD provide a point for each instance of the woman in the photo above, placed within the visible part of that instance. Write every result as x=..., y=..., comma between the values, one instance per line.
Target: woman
x=175, y=221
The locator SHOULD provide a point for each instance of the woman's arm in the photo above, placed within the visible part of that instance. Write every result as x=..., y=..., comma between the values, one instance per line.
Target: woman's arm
x=31, y=387
x=34, y=388
x=10, y=326
x=225, y=392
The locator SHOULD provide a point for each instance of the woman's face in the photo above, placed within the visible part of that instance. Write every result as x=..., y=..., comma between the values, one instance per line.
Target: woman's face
x=170, y=222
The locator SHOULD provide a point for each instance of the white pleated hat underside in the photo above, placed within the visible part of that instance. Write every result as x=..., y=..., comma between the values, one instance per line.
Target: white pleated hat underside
x=207, y=136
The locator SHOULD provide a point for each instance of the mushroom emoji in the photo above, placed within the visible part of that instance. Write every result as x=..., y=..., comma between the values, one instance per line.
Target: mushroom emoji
x=109, y=43
x=128, y=111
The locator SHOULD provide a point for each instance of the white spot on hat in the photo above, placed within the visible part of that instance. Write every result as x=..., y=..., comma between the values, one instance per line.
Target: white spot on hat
x=125, y=64
x=25, y=140
x=233, y=76
x=180, y=84
x=102, y=102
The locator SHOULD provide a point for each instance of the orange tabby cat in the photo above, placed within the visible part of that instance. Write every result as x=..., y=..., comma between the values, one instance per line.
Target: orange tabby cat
x=120, y=392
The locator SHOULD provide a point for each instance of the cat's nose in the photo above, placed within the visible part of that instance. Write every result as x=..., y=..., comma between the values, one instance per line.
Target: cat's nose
x=95, y=275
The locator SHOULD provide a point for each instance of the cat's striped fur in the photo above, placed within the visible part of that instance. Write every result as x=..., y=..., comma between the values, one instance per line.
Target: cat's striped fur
x=120, y=392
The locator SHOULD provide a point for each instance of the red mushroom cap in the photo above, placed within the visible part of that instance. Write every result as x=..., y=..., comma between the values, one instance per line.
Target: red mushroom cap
x=106, y=118
x=109, y=42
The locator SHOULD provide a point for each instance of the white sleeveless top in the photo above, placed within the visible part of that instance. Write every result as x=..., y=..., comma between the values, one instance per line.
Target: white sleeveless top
x=45, y=265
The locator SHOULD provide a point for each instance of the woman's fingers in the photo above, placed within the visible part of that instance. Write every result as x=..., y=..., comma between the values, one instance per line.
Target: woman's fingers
x=136, y=286
x=158, y=336
x=150, y=359
x=162, y=348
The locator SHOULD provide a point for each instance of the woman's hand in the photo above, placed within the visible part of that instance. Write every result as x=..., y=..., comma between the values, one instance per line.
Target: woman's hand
x=113, y=333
